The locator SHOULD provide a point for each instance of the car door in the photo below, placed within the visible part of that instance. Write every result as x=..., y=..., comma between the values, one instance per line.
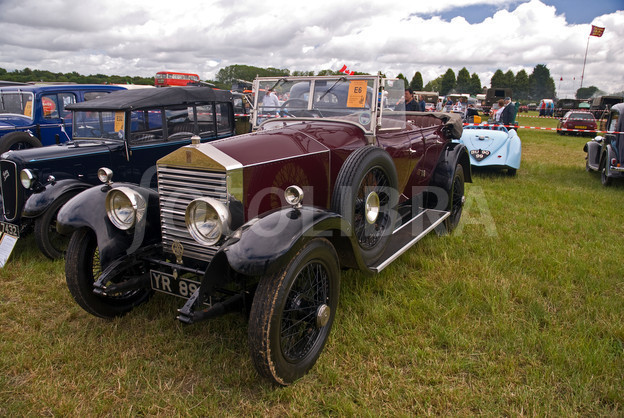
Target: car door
x=56, y=126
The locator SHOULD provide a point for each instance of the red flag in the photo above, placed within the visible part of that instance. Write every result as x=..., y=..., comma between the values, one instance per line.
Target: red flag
x=344, y=70
x=561, y=79
x=596, y=31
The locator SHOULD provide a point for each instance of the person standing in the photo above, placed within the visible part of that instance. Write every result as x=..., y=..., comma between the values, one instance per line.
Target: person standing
x=423, y=105
x=270, y=102
x=410, y=103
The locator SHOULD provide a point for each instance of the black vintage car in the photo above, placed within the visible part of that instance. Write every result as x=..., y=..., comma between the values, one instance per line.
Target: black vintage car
x=606, y=153
x=126, y=131
x=266, y=221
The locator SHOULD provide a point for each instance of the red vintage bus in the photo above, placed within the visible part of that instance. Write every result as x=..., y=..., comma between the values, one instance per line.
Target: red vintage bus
x=170, y=78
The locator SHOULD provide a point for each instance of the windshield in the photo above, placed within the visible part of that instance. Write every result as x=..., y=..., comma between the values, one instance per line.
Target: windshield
x=351, y=98
x=144, y=125
x=17, y=103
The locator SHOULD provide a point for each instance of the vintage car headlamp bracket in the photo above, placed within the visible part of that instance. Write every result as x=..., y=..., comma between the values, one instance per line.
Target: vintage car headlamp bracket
x=27, y=178
x=207, y=220
x=125, y=207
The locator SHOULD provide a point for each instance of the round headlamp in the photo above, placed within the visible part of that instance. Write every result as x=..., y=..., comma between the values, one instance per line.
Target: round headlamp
x=293, y=195
x=105, y=175
x=124, y=207
x=207, y=220
x=27, y=178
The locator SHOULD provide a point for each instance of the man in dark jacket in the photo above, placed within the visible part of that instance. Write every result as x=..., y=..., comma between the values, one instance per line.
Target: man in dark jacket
x=410, y=103
x=508, y=115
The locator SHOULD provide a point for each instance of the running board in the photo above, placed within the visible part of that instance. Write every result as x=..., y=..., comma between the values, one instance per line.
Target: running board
x=408, y=234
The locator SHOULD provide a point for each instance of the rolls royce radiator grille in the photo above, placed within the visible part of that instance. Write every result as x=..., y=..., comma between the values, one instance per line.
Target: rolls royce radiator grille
x=177, y=188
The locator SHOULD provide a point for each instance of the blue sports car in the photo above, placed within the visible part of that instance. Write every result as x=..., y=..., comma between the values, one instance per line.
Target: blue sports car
x=492, y=146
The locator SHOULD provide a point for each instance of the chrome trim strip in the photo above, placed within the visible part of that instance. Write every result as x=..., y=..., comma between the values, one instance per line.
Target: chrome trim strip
x=219, y=156
x=408, y=245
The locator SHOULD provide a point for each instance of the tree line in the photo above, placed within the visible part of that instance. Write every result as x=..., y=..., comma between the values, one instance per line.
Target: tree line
x=535, y=86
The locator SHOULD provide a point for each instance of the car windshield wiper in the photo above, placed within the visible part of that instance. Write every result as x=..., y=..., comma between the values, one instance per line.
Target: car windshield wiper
x=330, y=89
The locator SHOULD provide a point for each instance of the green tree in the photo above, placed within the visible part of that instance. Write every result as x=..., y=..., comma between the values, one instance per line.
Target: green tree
x=521, y=86
x=433, y=85
x=463, y=81
x=417, y=82
x=498, y=80
x=448, y=82
x=588, y=92
x=541, y=84
x=247, y=72
x=475, y=84
x=510, y=80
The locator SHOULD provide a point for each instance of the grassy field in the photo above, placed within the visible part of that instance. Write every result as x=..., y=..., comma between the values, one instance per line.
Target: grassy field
x=519, y=312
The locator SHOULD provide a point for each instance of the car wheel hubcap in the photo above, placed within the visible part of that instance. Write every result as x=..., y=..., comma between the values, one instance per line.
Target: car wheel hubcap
x=372, y=207
x=323, y=313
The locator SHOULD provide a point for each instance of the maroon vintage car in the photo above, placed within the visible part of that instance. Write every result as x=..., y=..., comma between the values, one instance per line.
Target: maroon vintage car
x=336, y=175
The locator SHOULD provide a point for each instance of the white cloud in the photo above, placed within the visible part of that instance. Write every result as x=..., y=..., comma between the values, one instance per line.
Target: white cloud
x=141, y=38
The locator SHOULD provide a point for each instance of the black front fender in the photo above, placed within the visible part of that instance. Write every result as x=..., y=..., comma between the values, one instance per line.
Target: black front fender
x=40, y=201
x=453, y=154
x=88, y=209
x=265, y=244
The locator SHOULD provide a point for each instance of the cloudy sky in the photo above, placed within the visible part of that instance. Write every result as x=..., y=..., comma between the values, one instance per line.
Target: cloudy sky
x=402, y=36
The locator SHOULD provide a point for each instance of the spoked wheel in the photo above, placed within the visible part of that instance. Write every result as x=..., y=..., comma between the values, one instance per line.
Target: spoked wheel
x=52, y=244
x=292, y=313
x=456, y=200
x=82, y=269
x=366, y=195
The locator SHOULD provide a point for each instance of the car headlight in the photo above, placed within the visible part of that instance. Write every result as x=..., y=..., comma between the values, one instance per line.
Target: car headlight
x=207, y=220
x=105, y=175
x=27, y=178
x=293, y=195
x=124, y=207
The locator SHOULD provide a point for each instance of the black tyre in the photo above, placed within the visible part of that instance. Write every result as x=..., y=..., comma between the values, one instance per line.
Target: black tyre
x=18, y=140
x=82, y=269
x=52, y=244
x=511, y=172
x=456, y=200
x=292, y=313
x=604, y=174
x=366, y=195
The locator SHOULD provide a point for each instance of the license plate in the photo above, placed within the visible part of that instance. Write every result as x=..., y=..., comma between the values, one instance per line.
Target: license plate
x=479, y=154
x=580, y=127
x=10, y=229
x=177, y=286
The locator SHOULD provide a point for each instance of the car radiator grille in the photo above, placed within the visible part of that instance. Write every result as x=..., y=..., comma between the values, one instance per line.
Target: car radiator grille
x=9, y=182
x=177, y=188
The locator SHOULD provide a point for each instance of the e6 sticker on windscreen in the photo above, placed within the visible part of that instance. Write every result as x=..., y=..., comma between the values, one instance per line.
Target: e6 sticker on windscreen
x=119, y=121
x=357, y=94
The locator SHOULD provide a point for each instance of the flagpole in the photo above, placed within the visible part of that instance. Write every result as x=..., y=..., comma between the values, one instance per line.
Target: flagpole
x=584, y=60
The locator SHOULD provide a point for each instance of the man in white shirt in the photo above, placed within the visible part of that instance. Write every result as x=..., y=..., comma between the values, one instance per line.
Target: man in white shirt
x=270, y=102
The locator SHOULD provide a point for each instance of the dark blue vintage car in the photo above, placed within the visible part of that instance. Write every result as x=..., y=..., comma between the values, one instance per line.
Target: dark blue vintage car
x=605, y=153
x=126, y=131
x=34, y=115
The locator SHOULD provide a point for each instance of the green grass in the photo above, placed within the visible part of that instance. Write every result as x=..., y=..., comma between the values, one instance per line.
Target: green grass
x=519, y=312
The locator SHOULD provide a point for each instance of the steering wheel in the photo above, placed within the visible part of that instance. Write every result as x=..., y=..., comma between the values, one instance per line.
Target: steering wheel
x=298, y=112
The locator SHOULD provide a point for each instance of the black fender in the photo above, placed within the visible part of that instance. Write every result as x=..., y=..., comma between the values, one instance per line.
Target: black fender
x=607, y=155
x=265, y=244
x=40, y=201
x=444, y=172
x=88, y=209
x=592, y=148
